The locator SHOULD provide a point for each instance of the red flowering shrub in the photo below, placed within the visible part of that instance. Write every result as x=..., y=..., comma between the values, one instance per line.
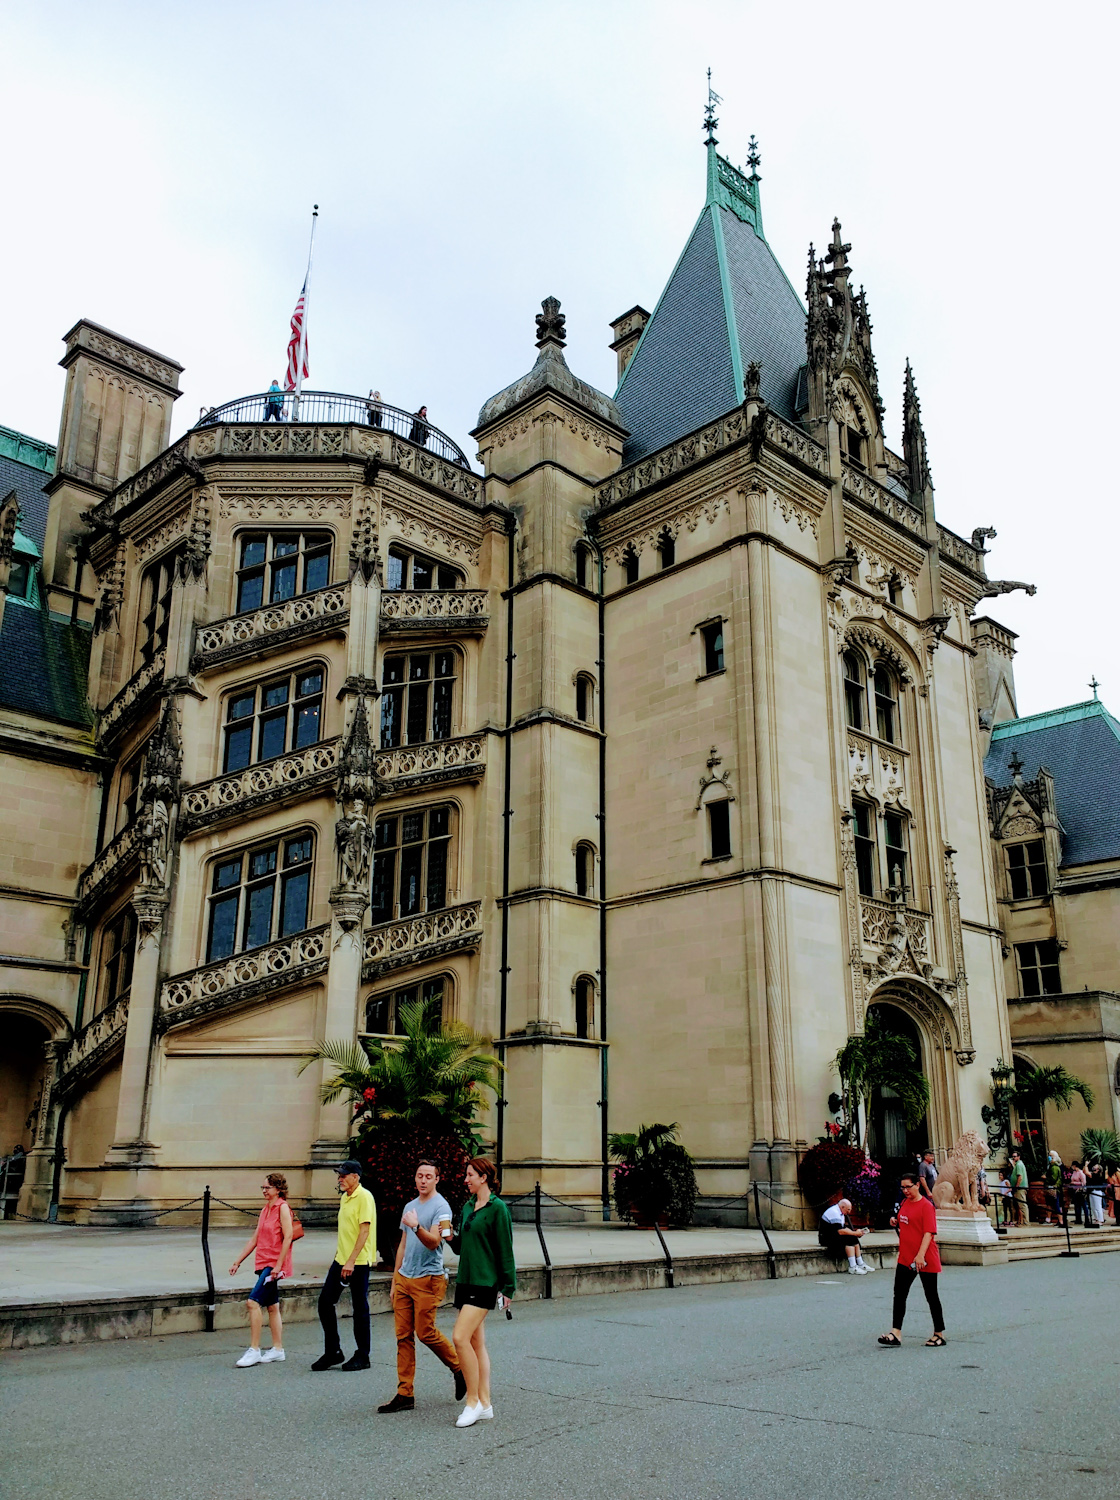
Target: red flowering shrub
x=389, y=1154
x=826, y=1170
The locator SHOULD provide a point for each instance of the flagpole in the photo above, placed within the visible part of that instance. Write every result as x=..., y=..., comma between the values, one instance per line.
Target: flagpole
x=306, y=304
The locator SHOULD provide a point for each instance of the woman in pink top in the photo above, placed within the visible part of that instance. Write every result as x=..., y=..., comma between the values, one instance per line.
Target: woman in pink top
x=272, y=1240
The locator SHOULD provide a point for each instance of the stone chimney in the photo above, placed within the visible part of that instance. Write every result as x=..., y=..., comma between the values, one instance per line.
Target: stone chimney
x=116, y=417
x=994, y=674
x=627, y=332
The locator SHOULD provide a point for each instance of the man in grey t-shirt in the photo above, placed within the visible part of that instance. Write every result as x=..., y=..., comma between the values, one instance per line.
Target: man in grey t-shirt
x=420, y=1285
x=927, y=1176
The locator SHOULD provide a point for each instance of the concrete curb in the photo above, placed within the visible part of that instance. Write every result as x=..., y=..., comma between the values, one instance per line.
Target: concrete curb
x=35, y=1324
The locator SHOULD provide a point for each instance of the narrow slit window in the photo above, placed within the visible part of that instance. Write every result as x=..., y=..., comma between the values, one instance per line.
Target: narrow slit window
x=666, y=550
x=886, y=705
x=585, y=870
x=585, y=1008
x=867, y=854
x=712, y=637
x=630, y=565
x=853, y=690
x=894, y=836
x=719, y=829
x=585, y=698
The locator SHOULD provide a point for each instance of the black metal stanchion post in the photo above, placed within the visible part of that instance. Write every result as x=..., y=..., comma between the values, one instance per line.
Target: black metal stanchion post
x=670, y=1280
x=210, y=1293
x=544, y=1247
x=771, y=1258
x=1069, y=1253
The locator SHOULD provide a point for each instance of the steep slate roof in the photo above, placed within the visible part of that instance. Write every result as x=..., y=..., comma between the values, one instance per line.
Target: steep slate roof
x=25, y=466
x=728, y=302
x=44, y=664
x=1080, y=747
x=44, y=660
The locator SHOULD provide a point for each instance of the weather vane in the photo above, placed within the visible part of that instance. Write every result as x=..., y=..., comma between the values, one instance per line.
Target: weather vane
x=1094, y=684
x=710, y=121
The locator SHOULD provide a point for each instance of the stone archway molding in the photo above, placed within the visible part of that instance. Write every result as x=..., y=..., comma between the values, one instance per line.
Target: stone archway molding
x=940, y=1031
x=56, y=1024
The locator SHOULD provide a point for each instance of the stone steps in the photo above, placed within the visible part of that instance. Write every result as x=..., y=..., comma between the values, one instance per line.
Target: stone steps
x=1039, y=1243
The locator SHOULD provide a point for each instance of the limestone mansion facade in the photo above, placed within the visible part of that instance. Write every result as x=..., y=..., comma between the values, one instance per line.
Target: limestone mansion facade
x=652, y=751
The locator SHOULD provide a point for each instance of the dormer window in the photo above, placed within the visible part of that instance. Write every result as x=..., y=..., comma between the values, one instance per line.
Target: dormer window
x=852, y=441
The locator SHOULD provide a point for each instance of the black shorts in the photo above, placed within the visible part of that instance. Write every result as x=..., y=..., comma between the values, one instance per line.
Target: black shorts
x=476, y=1296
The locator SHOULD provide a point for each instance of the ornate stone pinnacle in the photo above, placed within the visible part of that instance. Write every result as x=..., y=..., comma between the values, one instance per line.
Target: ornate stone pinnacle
x=550, y=324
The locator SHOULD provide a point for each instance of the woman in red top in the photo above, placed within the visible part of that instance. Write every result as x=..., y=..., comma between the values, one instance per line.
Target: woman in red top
x=272, y=1240
x=916, y=1222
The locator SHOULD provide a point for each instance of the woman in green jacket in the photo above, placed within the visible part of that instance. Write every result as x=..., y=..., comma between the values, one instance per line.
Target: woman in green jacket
x=486, y=1279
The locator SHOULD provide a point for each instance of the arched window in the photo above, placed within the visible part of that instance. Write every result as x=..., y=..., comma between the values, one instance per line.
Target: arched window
x=409, y=570
x=585, y=870
x=585, y=1007
x=258, y=895
x=417, y=698
x=272, y=718
x=854, y=690
x=410, y=863
x=585, y=698
x=894, y=589
x=630, y=565
x=278, y=565
x=584, y=565
x=719, y=830
x=667, y=549
x=886, y=705
x=383, y=1010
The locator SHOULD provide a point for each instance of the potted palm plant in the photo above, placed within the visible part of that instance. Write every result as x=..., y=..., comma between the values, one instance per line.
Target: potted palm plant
x=655, y=1180
x=415, y=1095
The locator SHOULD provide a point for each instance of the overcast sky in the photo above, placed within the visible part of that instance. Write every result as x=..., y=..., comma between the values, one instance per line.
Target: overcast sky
x=470, y=159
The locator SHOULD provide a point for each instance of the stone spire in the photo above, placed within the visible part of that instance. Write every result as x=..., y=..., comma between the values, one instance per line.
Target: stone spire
x=913, y=437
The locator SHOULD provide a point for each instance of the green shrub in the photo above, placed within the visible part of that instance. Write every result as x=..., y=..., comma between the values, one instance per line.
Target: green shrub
x=655, y=1179
x=826, y=1170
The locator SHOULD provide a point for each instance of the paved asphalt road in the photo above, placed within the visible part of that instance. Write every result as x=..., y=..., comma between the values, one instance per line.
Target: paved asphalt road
x=752, y=1390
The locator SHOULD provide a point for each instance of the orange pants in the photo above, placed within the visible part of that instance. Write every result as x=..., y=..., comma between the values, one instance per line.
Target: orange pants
x=414, y=1314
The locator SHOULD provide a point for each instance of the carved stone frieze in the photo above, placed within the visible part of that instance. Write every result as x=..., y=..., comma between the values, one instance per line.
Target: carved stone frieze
x=299, y=774
x=863, y=632
x=286, y=505
x=139, y=686
x=134, y=359
x=708, y=509
x=460, y=606
x=794, y=513
x=436, y=537
x=306, y=614
x=393, y=945
x=159, y=540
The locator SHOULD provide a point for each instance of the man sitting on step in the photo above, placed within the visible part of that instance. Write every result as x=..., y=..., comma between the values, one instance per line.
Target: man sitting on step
x=836, y=1234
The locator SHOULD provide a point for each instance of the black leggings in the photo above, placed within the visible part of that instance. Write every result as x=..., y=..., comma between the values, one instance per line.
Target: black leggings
x=903, y=1281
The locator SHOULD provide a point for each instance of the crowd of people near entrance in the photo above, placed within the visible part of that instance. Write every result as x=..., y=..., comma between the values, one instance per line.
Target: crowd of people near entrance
x=486, y=1279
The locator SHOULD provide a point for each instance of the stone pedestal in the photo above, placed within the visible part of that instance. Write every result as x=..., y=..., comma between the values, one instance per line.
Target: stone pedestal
x=965, y=1238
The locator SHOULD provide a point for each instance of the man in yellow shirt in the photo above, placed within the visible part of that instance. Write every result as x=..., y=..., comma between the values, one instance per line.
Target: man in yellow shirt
x=357, y=1247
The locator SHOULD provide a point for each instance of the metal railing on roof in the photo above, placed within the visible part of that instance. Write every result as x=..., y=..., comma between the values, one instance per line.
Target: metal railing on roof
x=324, y=407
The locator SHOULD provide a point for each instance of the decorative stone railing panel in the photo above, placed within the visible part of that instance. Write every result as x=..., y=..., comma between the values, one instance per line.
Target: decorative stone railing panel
x=885, y=501
x=100, y=1037
x=959, y=550
x=424, y=760
x=392, y=944
x=145, y=479
x=134, y=689
x=303, y=614
x=114, y=859
x=239, y=791
x=878, y=921
x=261, y=970
x=453, y=605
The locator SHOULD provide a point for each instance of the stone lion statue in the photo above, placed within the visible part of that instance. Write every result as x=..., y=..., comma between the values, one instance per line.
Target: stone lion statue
x=956, y=1182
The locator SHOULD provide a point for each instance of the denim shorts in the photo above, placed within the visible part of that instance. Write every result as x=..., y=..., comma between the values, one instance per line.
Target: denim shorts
x=265, y=1293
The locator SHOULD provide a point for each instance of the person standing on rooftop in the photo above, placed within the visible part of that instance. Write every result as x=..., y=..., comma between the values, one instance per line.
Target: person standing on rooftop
x=420, y=429
x=373, y=409
x=274, y=403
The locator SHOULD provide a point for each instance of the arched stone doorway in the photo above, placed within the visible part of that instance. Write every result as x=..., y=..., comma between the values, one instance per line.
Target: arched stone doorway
x=926, y=1016
x=30, y=1033
x=893, y=1143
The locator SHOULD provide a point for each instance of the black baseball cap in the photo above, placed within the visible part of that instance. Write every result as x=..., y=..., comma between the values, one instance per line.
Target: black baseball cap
x=345, y=1168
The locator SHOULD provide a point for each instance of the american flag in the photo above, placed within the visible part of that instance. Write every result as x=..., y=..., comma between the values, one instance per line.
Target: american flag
x=295, y=376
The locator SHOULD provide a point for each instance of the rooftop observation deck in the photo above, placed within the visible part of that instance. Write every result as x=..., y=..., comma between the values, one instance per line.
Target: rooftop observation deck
x=329, y=408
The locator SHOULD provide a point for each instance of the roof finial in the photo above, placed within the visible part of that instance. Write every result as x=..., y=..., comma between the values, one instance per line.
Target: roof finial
x=1015, y=766
x=1094, y=684
x=754, y=160
x=710, y=121
x=550, y=324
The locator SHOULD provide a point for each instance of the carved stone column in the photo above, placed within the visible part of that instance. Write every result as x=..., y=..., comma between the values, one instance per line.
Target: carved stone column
x=129, y=1146
x=35, y=1194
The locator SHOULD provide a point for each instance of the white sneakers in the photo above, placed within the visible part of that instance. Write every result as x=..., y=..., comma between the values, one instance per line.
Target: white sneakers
x=472, y=1414
x=866, y=1267
x=854, y=1270
x=255, y=1357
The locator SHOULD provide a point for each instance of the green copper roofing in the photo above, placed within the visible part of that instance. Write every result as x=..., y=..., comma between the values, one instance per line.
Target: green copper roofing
x=27, y=450
x=21, y=543
x=730, y=188
x=1092, y=708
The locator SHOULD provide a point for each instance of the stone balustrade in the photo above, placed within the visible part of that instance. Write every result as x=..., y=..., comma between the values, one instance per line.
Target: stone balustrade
x=886, y=502
x=110, y=864
x=242, y=635
x=269, y=781
x=959, y=550
x=134, y=689
x=420, y=609
x=878, y=917
x=392, y=945
x=96, y=1040
x=246, y=976
x=438, y=760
